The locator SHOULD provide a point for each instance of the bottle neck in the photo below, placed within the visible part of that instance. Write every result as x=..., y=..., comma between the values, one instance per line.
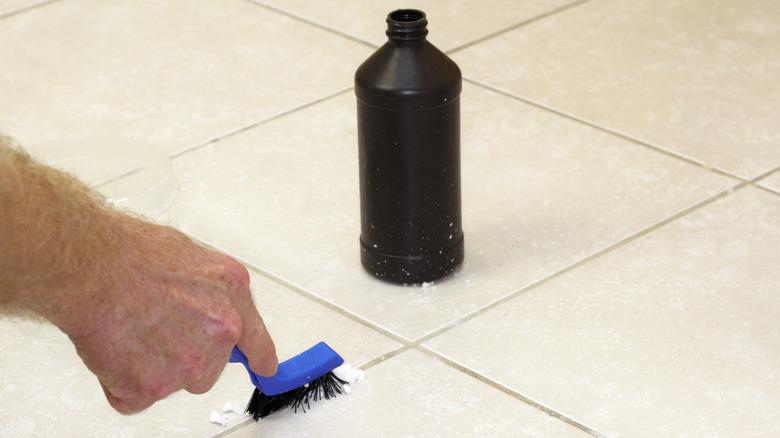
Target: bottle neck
x=407, y=26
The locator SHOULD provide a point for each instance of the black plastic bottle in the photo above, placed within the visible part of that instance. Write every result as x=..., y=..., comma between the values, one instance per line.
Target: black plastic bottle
x=409, y=152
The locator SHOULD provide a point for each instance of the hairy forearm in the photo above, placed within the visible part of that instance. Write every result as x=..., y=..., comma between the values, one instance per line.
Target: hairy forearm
x=51, y=226
x=148, y=310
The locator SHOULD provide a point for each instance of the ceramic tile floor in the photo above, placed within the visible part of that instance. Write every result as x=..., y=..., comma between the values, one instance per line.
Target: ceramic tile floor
x=621, y=196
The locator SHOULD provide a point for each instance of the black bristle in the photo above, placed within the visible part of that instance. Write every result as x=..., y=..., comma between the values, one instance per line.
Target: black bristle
x=326, y=386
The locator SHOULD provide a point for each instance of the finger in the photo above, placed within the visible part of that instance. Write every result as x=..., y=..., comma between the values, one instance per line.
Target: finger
x=257, y=345
x=211, y=374
x=123, y=406
x=255, y=341
x=203, y=385
x=127, y=400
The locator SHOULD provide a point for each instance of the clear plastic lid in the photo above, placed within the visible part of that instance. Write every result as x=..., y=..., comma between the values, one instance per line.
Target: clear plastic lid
x=130, y=173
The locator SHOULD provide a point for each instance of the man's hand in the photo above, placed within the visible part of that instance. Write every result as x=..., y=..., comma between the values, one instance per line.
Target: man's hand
x=170, y=319
x=148, y=310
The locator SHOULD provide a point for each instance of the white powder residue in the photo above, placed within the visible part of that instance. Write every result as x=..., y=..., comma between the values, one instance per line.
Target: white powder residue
x=218, y=418
x=350, y=375
x=229, y=412
x=233, y=409
x=345, y=372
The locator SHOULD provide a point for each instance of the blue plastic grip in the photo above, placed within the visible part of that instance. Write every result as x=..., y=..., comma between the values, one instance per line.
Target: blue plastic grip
x=293, y=373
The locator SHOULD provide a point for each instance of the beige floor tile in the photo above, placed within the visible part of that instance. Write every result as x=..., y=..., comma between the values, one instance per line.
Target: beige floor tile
x=173, y=73
x=674, y=334
x=9, y=6
x=772, y=182
x=47, y=391
x=13, y=4
x=451, y=23
x=696, y=78
x=297, y=323
x=414, y=395
x=540, y=193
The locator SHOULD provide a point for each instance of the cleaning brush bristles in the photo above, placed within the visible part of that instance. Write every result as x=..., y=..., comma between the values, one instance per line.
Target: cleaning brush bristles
x=324, y=387
x=306, y=377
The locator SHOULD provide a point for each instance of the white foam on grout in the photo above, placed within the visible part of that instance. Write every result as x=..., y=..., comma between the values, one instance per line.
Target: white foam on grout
x=229, y=413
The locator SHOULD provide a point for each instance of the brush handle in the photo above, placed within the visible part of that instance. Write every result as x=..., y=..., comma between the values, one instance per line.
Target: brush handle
x=293, y=373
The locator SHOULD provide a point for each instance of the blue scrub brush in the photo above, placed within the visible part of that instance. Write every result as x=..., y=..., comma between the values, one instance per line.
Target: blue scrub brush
x=304, y=378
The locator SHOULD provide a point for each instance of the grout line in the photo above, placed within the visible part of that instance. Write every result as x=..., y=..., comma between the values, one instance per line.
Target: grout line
x=384, y=357
x=310, y=21
x=340, y=310
x=371, y=44
x=25, y=8
x=248, y=421
x=251, y=125
x=767, y=189
x=240, y=425
x=604, y=128
x=755, y=181
x=610, y=248
x=301, y=291
x=417, y=344
x=406, y=343
x=764, y=175
x=516, y=26
x=550, y=411
x=506, y=390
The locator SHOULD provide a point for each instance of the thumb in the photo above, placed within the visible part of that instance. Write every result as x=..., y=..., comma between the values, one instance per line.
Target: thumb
x=259, y=348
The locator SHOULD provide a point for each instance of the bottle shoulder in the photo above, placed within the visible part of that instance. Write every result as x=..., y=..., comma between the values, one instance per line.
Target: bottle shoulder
x=416, y=75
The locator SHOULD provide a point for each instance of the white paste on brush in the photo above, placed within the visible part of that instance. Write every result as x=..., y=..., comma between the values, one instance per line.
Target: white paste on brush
x=350, y=375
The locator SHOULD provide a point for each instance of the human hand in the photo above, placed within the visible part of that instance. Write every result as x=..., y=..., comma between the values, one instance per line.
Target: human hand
x=170, y=320
x=148, y=310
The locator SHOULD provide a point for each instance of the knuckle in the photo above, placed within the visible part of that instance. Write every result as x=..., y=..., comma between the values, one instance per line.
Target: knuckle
x=194, y=371
x=226, y=327
x=200, y=387
x=121, y=406
x=157, y=391
x=236, y=274
x=131, y=404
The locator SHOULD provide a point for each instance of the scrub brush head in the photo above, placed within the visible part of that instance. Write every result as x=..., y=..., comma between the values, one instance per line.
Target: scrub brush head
x=324, y=387
x=298, y=381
